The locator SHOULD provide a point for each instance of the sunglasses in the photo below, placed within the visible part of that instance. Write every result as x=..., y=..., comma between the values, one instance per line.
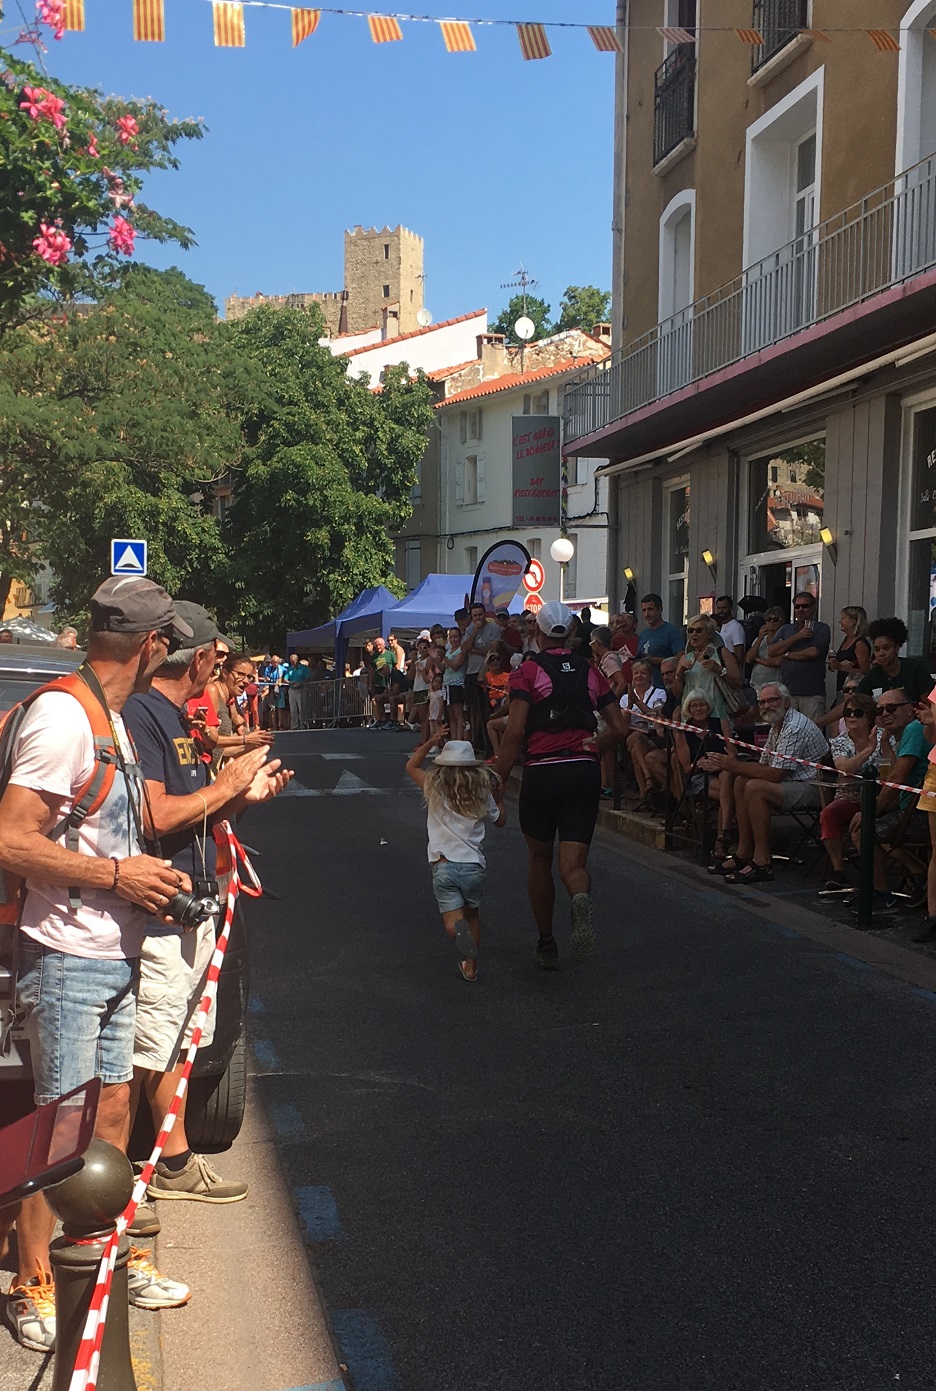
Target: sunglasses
x=695, y=630
x=892, y=706
x=173, y=641
x=854, y=714
x=804, y=606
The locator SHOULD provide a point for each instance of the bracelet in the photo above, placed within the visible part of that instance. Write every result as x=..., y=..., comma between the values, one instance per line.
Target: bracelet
x=116, y=872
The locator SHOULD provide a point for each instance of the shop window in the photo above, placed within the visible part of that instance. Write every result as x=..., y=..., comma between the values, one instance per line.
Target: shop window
x=921, y=598
x=677, y=551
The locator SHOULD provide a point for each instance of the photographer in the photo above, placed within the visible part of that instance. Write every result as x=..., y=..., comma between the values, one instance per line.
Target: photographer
x=181, y=808
x=87, y=895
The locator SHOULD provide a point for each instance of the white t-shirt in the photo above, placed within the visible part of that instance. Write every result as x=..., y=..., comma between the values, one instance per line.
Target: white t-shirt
x=54, y=754
x=732, y=635
x=611, y=663
x=458, y=838
x=652, y=700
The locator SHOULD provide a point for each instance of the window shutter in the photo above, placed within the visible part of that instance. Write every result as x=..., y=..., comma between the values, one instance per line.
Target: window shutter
x=460, y=482
x=479, y=414
x=463, y=426
x=480, y=477
x=526, y=405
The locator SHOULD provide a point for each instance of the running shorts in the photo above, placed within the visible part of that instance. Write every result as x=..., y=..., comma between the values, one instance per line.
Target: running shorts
x=560, y=798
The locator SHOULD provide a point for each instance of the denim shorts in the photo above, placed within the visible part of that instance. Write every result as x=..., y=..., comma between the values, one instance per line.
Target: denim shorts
x=80, y=1015
x=457, y=885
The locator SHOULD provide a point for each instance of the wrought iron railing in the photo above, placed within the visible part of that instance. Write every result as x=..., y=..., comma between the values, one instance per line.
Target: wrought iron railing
x=674, y=101
x=779, y=21
x=884, y=239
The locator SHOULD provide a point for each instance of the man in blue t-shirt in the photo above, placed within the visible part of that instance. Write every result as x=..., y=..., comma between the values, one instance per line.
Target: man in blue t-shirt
x=657, y=640
x=181, y=807
x=907, y=735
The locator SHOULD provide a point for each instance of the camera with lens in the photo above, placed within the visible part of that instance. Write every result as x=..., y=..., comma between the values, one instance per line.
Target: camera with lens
x=191, y=910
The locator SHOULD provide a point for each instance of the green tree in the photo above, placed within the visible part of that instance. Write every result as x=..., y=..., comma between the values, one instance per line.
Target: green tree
x=328, y=470
x=72, y=162
x=536, y=309
x=583, y=306
x=115, y=420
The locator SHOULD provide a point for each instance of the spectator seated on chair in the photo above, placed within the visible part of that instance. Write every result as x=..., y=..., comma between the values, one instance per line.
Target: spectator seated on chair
x=865, y=742
x=897, y=714
x=642, y=698
x=692, y=749
x=776, y=784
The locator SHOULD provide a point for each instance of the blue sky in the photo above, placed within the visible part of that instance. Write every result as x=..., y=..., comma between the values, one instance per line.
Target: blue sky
x=493, y=160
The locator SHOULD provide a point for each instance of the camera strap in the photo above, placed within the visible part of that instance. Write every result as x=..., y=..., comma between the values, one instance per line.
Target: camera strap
x=132, y=775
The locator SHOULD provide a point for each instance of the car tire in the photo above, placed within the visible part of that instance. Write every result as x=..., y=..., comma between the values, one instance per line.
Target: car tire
x=214, y=1112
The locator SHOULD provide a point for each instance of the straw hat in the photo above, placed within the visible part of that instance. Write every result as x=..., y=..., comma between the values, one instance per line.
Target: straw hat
x=458, y=753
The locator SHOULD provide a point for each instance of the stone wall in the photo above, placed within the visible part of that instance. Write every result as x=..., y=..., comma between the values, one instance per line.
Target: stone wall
x=384, y=279
x=236, y=306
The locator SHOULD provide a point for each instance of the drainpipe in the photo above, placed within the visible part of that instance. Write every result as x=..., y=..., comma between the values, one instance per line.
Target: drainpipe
x=619, y=194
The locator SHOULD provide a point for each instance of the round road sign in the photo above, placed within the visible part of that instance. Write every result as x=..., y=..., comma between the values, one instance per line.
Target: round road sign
x=535, y=577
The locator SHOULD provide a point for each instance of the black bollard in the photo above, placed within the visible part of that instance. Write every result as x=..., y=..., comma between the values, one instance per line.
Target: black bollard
x=89, y=1204
x=869, y=791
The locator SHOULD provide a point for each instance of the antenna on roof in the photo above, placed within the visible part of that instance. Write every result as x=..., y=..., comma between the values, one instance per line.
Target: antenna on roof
x=524, y=328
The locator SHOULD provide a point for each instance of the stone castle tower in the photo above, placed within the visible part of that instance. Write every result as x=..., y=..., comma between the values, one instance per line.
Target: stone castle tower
x=383, y=286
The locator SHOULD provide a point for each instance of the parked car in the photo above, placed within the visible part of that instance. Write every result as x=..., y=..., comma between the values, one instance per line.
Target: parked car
x=218, y=1089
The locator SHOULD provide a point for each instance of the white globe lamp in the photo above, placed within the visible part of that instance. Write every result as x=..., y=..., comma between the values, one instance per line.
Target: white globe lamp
x=562, y=551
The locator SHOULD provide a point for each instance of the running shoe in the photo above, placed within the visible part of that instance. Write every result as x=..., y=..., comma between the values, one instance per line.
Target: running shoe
x=582, y=941
x=547, y=953
x=837, y=883
x=30, y=1312
x=883, y=903
x=197, y=1181
x=149, y=1289
x=145, y=1222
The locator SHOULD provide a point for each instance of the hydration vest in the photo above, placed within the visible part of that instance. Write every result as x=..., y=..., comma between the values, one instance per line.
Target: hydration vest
x=568, y=705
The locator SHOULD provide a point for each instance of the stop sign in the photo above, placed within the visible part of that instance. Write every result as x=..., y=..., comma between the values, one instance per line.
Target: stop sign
x=534, y=602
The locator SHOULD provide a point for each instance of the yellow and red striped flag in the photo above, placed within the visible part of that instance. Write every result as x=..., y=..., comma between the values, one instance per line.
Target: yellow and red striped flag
x=816, y=34
x=533, y=41
x=883, y=40
x=384, y=28
x=605, y=39
x=228, y=24
x=149, y=21
x=458, y=36
x=73, y=14
x=751, y=36
x=676, y=35
x=304, y=23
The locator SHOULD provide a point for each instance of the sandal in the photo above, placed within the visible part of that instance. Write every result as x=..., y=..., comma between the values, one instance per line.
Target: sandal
x=731, y=865
x=719, y=852
x=750, y=874
x=464, y=975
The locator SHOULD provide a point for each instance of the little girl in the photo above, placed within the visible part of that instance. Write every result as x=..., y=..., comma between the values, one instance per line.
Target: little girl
x=436, y=704
x=457, y=789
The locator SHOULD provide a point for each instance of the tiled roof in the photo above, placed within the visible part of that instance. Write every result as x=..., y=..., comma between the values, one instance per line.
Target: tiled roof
x=416, y=333
x=515, y=379
x=442, y=372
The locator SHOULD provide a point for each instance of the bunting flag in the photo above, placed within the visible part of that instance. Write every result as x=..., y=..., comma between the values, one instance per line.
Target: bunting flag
x=605, y=39
x=384, y=28
x=883, y=40
x=458, y=36
x=816, y=34
x=228, y=24
x=533, y=41
x=676, y=35
x=304, y=23
x=149, y=21
x=751, y=36
x=73, y=15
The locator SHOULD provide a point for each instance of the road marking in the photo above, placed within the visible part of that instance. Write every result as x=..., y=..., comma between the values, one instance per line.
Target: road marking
x=286, y=1120
x=340, y=757
x=255, y=1005
x=853, y=961
x=926, y=994
x=348, y=786
x=318, y=1213
x=365, y=1349
x=266, y=1055
x=780, y=929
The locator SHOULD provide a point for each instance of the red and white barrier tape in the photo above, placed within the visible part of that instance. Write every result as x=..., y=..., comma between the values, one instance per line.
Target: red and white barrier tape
x=783, y=757
x=87, y=1361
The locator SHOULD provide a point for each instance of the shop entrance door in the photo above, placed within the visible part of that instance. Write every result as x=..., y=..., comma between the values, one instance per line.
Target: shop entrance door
x=778, y=578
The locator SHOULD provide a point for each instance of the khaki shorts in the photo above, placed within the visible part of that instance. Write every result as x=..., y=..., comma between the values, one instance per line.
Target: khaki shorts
x=173, y=972
x=928, y=804
x=799, y=796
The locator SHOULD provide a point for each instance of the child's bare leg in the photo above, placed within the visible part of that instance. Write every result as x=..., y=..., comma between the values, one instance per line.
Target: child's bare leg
x=470, y=916
x=457, y=720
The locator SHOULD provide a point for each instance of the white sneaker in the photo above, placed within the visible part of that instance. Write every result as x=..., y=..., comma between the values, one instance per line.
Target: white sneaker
x=149, y=1289
x=30, y=1312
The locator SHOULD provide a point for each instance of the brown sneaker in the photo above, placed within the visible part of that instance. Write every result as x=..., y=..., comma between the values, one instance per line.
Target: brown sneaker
x=197, y=1182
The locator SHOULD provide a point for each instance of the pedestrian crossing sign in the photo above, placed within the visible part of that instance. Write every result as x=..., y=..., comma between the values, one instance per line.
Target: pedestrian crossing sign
x=128, y=557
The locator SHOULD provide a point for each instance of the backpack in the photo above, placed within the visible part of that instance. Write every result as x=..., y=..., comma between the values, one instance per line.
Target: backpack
x=88, y=799
x=569, y=705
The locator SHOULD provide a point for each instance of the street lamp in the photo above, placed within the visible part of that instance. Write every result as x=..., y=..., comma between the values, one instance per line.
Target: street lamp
x=562, y=551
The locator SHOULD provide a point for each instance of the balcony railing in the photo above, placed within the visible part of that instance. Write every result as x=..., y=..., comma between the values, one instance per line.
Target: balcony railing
x=779, y=21
x=674, y=101
x=886, y=238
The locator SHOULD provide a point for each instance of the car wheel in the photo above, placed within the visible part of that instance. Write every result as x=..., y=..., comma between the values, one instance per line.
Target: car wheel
x=215, y=1109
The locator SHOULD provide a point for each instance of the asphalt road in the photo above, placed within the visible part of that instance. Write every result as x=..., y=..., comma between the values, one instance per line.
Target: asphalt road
x=703, y=1159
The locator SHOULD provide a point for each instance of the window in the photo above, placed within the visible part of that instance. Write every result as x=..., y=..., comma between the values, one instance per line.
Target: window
x=921, y=597
x=534, y=545
x=779, y=21
x=571, y=572
x=676, y=291
x=469, y=426
x=774, y=474
x=416, y=490
x=674, y=101
x=413, y=563
x=221, y=504
x=677, y=562
x=576, y=471
x=785, y=513
x=471, y=559
x=916, y=86
x=386, y=292
x=386, y=251
x=469, y=480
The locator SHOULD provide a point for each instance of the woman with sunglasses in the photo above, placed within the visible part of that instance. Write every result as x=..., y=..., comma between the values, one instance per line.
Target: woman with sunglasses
x=864, y=742
x=233, y=737
x=765, y=668
x=706, y=667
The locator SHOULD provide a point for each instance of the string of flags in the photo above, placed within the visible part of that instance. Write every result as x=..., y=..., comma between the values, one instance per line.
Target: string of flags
x=149, y=26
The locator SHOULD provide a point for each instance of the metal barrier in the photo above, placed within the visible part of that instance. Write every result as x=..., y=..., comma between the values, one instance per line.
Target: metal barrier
x=330, y=703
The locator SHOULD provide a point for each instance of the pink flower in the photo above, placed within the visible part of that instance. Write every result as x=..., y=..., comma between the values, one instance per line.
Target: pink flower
x=52, y=245
x=121, y=237
x=52, y=12
x=42, y=105
x=127, y=128
x=93, y=150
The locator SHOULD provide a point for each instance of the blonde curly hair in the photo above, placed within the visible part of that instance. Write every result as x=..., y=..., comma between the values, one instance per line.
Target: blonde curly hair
x=464, y=791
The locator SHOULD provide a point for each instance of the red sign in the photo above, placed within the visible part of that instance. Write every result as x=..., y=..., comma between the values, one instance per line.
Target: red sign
x=534, y=602
x=535, y=578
